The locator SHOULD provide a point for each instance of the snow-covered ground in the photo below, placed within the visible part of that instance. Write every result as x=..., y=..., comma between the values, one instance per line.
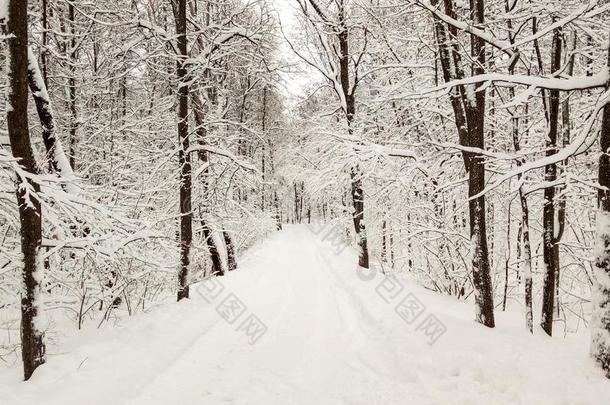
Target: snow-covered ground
x=331, y=336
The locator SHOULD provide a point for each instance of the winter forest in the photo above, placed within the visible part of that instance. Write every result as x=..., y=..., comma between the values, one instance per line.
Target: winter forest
x=305, y=202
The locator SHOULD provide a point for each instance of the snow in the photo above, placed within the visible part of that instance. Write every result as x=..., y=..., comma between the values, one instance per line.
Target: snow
x=601, y=250
x=37, y=76
x=331, y=338
x=4, y=11
x=40, y=321
x=59, y=156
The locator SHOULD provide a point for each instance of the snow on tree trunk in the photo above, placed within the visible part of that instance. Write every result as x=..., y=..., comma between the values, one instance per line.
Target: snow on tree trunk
x=551, y=265
x=217, y=267
x=278, y=212
x=72, y=86
x=199, y=111
x=469, y=111
x=186, y=214
x=358, y=217
x=58, y=161
x=527, y=263
x=231, y=262
x=600, y=320
x=30, y=214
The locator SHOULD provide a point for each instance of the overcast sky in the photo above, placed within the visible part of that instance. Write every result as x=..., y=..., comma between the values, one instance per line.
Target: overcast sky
x=295, y=84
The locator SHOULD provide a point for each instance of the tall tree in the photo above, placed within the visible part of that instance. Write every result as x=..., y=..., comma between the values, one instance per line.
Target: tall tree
x=341, y=70
x=469, y=110
x=30, y=214
x=600, y=324
x=551, y=265
x=184, y=160
x=72, y=84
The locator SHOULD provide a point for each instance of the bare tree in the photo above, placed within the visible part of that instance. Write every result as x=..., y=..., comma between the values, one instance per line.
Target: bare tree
x=600, y=325
x=469, y=112
x=184, y=160
x=30, y=213
x=341, y=69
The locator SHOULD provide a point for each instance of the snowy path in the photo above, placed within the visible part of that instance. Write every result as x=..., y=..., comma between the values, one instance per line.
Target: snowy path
x=331, y=339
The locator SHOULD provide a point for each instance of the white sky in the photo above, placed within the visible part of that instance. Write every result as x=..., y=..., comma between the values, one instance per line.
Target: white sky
x=295, y=83
x=286, y=9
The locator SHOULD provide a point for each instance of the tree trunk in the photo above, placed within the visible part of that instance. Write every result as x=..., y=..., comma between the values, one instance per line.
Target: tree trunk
x=184, y=160
x=30, y=214
x=469, y=111
x=476, y=183
x=566, y=131
x=358, y=217
x=384, y=243
x=58, y=162
x=217, y=268
x=551, y=265
x=524, y=231
x=72, y=87
x=278, y=212
x=204, y=155
x=263, y=149
x=600, y=320
x=231, y=262
x=43, y=55
x=357, y=192
x=296, y=204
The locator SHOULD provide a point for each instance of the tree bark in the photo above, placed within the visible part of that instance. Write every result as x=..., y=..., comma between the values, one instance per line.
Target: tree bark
x=263, y=149
x=476, y=183
x=43, y=55
x=184, y=160
x=58, y=161
x=469, y=111
x=357, y=191
x=551, y=265
x=231, y=262
x=278, y=212
x=347, y=95
x=72, y=87
x=30, y=214
x=600, y=322
x=217, y=268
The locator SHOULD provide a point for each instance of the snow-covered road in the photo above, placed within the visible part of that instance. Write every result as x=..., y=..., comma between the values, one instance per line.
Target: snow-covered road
x=296, y=325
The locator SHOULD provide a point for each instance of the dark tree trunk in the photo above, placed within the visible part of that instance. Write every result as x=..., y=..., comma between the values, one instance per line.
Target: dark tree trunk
x=358, y=203
x=348, y=90
x=469, y=117
x=30, y=214
x=204, y=156
x=562, y=202
x=72, y=87
x=184, y=160
x=481, y=272
x=263, y=163
x=278, y=212
x=600, y=322
x=301, y=197
x=384, y=243
x=524, y=229
x=43, y=55
x=58, y=162
x=231, y=262
x=551, y=265
x=451, y=67
x=214, y=255
x=296, y=204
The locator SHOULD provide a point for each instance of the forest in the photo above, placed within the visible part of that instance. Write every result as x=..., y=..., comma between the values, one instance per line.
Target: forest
x=153, y=152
